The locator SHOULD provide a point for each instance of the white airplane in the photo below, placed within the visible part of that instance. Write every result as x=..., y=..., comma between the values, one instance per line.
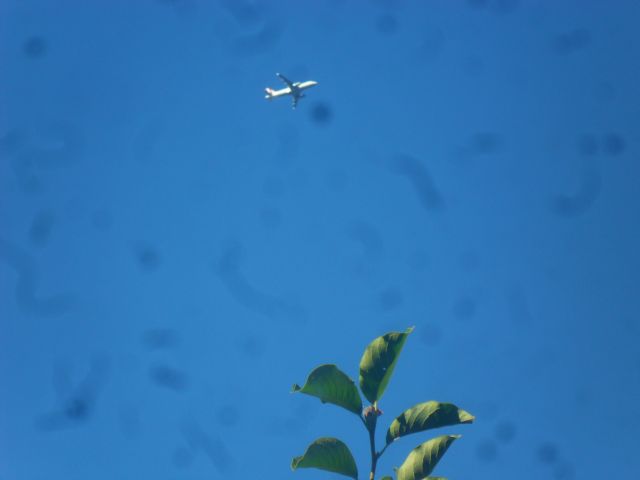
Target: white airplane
x=293, y=88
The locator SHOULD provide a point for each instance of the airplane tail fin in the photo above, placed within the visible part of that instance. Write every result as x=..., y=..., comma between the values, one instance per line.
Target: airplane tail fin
x=269, y=93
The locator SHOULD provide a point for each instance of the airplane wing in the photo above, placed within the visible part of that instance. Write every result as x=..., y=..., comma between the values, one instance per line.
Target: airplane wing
x=285, y=80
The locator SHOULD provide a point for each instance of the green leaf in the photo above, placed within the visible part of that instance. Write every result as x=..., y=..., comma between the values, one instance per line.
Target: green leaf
x=328, y=454
x=425, y=416
x=387, y=477
x=423, y=459
x=378, y=361
x=331, y=385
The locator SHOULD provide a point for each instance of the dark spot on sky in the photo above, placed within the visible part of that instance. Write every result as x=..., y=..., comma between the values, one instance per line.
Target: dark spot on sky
x=487, y=450
x=518, y=305
x=271, y=218
x=260, y=42
x=26, y=284
x=420, y=179
x=288, y=144
x=469, y=261
x=41, y=227
x=274, y=187
x=368, y=236
x=547, y=453
x=321, y=113
x=464, y=308
x=129, y=417
x=336, y=180
x=505, y=431
x=389, y=299
x=572, y=41
x=214, y=448
x=563, y=471
x=614, y=144
x=251, y=345
x=273, y=307
x=77, y=402
x=101, y=220
x=477, y=3
x=160, y=338
x=387, y=24
x=432, y=44
x=182, y=457
x=505, y=6
x=35, y=47
x=582, y=200
x=588, y=145
x=485, y=143
x=246, y=13
x=148, y=257
x=168, y=377
x=227, y=416
x=430, y=334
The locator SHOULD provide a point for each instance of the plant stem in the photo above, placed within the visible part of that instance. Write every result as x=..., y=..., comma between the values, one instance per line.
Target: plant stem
x=374, y=455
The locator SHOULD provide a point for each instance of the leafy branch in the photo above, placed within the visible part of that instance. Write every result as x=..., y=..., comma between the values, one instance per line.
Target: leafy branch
x=331, y=385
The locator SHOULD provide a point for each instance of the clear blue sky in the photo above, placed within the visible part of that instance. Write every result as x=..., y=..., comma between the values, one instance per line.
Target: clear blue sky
x=176, y=251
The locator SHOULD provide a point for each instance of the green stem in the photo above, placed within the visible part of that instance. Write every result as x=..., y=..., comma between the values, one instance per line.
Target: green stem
x=374, y=455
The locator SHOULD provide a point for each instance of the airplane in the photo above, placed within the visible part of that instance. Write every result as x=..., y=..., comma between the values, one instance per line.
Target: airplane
x=293, y=88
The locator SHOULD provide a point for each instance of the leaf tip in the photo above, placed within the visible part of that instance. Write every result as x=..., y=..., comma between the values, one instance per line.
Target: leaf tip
x=466, y=417
x=295, y=388
x=409, y=330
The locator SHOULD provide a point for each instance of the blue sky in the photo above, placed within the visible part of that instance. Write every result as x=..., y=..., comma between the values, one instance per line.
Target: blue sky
x=176, y=252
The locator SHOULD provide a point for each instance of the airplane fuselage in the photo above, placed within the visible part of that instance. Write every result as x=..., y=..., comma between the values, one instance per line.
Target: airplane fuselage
x=294, y=89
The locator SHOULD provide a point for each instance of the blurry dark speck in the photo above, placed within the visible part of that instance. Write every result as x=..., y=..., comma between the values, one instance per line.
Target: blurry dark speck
x=421, y=180
x=389, y=299
x=572, y=41
x=260, y=42
x=505, y=6
x=387, y=24
x=485, y=143
x=336, y=180
x=41, y=227
x=160, y=338
x=251, y=346
x=148, y=257
x=227, y=416
x=547, y=453
x=588, y=145
x=321, y=113
x=101, y=220
x=271, y=217
x=505, y=431
x=274, y=187
x=464, y=308
x=182, y=457
x=244, y=12
x=35, y=47
x=583, y=199
x=614, y=144
x=430, y=334
x=563, y=471
x=487, y=450
x=477, y=3
x=469, y=261
x=168, y=377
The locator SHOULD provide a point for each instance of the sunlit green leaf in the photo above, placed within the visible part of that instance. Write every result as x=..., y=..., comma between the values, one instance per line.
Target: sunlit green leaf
x=328, y=454
x=425, y=416
x=378, y=361
x=331, y=385
x=387, y=477
x=423, y=459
